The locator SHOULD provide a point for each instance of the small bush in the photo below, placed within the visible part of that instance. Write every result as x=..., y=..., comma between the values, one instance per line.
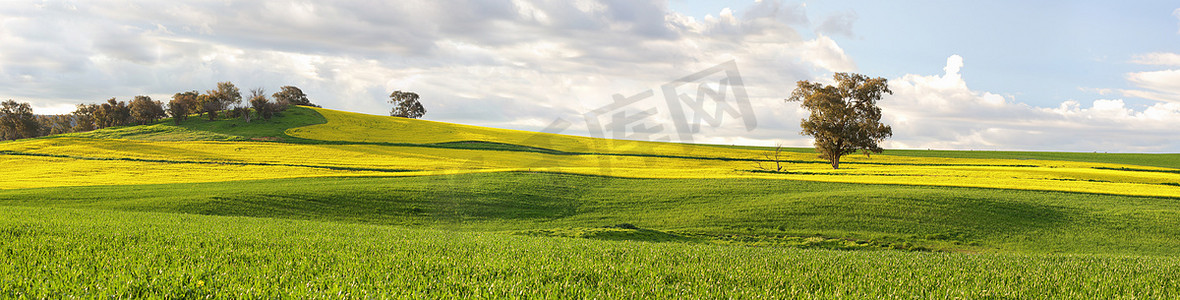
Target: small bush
x=623, y=226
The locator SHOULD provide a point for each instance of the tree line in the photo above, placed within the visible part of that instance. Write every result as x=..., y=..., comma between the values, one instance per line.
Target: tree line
x=17, y=120
x=844, y=118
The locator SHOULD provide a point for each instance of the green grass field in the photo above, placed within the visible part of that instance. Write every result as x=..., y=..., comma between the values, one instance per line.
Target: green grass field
x=87, y=253
x=549, y=234
x=759, y=211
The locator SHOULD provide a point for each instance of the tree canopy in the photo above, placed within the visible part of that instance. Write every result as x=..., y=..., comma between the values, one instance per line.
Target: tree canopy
x=844, y=118
x=406, y=105
x=262, y=106
x=290, y=95
x=145, y=111
x=17, y=121
x=182, y=104
x=227, y=95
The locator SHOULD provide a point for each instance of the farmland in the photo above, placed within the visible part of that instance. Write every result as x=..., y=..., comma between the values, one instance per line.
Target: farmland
x=349, y=144
x=323, y=202
x=99, y=253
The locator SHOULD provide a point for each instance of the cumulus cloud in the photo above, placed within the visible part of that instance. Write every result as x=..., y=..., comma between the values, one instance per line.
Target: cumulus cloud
x=523, y=63
x=1157, y=59
x=942, y=112
x=506, y=63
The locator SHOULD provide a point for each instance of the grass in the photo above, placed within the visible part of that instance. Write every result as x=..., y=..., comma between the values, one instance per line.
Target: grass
x=71, y=253
x=757, y=211
x=199, y=128
x=321, y=203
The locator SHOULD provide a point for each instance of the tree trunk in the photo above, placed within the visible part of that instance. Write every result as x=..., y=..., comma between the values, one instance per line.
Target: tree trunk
x=836, y=163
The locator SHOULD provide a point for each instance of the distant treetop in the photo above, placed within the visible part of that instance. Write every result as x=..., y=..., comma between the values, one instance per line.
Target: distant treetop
x=290, y=95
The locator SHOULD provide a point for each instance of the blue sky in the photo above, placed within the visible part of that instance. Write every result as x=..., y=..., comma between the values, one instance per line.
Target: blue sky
x=1040, y=52
x=982, y=75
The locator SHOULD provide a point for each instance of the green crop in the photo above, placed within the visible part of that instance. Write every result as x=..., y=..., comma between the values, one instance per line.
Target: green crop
x=68, y=253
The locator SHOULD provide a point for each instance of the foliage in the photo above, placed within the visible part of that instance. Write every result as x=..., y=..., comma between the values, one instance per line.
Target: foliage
x=216, y=130
x=55, y=124
x=112, y=113
x=262, y=106
x=142, y=111
x=845, y=117
x=145, y=111
x=84, y=117
x=406, y=105
x=17, y=121
x=182, y=104
x=209, y=105
x=226, y=95
x=290, y=95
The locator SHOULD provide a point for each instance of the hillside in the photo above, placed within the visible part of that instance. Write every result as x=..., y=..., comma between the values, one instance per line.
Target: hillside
x=331, y=193
x=320, y=142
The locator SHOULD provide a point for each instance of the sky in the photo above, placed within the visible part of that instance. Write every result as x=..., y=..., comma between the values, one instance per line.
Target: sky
x=1078, y=76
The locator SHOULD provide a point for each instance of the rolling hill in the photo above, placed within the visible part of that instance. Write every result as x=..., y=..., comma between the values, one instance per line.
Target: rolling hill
x=320, y=200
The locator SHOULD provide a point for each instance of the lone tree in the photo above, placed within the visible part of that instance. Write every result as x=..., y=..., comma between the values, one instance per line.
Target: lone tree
x=406, y=105
x=845, y=117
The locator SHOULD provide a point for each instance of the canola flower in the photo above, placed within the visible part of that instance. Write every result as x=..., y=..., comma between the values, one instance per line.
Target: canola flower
x=367, y=145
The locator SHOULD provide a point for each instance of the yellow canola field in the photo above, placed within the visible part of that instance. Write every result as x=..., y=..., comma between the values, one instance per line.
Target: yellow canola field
x=35, y=172
x=72, y=161
x=355, y=127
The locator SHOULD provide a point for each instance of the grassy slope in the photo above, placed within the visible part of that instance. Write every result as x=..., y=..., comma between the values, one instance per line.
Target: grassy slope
x=423, y=146
x=197, y=128
x=69, y=253
x=965, y=219
x=310, y=122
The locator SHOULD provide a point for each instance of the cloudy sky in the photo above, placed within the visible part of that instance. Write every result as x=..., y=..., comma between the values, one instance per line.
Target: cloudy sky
x=985, y=75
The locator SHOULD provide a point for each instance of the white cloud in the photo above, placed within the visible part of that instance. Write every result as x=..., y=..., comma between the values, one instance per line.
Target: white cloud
x=940, y=111
x=826, y=54
x=522, y=63
x=1158, y=59
x=1166, y=83
x=1161, y=85
x=1176, y=13
x=514, y=64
